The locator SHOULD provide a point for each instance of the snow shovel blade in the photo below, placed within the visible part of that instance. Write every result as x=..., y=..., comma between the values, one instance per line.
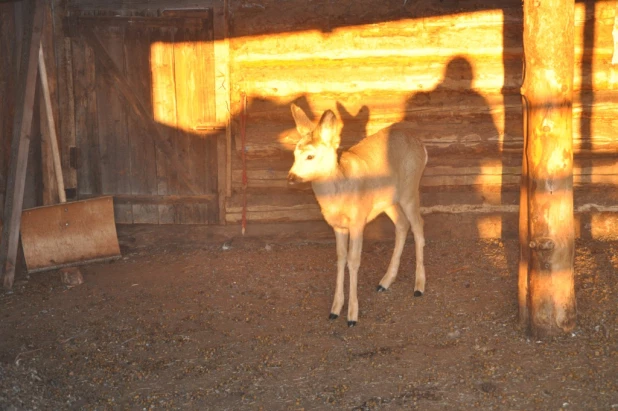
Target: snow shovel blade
x=67, y=234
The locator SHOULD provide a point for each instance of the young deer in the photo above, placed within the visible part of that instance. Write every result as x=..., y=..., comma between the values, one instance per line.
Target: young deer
x=379, y=174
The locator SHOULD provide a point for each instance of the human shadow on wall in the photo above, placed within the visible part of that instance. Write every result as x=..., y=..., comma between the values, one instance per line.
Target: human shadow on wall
x=459, y=131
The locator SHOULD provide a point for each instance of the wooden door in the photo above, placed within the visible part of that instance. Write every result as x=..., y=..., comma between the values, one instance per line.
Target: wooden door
x=145, y=116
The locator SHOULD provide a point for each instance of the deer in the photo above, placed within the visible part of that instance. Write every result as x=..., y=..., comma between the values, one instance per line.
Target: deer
x=380, y=174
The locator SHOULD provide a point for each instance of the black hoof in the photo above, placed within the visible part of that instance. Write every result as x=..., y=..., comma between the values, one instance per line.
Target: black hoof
x=418, y=293
x=351, y=324
x=333, y=316
x=380, y=289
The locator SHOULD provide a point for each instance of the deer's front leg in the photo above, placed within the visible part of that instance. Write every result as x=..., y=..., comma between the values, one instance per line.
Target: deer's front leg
x=354, y=259
x=341, y=235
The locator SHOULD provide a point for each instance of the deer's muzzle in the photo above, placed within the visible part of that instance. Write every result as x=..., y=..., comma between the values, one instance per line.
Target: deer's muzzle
x=294, y=179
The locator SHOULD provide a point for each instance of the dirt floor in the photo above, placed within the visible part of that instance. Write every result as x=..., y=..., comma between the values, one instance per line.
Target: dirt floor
x=197, y=322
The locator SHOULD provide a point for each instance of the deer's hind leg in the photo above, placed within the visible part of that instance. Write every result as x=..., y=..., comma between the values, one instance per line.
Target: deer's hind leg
x=401, y=232
x=412, y=211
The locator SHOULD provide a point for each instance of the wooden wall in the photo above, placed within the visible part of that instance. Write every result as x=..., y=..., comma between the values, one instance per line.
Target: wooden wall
x=146, y=87
x=448, y=70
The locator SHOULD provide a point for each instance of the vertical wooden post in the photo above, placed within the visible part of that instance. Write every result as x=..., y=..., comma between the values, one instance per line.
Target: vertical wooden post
x=222, y=107
x=7, y=63
x=22, y=125
x=547, y=294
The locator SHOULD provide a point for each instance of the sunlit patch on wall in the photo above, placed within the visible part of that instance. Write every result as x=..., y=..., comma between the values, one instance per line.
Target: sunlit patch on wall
x=182, y=87
x=489, y=226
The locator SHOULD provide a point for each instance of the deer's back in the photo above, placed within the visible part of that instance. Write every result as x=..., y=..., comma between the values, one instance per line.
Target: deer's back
x=390, y=153
x=379, y=171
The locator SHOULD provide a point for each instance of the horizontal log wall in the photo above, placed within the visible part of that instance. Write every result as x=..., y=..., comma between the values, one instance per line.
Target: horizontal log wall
x=450, y=74
x=448, y=70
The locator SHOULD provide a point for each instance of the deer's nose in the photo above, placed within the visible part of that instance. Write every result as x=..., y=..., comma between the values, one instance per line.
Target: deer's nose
x=293, y=179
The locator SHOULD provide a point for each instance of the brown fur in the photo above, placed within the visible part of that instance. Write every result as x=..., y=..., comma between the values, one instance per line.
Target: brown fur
x=379, y=174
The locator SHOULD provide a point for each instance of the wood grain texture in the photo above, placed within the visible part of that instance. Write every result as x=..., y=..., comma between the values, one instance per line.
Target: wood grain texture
x=113, y=138
x=86, y=124
x=50, y=188
x=549, y=292
x=7, y=90
x=65, y=99
x=143, y=155
x=22, y=125
x=406, y=64
x=155, y=89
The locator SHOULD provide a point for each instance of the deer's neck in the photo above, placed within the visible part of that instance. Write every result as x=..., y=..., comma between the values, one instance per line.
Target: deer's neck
x=329, y=185
x=341, y=192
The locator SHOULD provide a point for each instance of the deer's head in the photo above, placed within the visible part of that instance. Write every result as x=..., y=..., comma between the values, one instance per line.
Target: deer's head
x=315, y=155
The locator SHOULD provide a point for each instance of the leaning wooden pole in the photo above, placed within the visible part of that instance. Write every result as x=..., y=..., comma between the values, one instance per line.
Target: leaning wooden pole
x=547, y=294
x=22, y=127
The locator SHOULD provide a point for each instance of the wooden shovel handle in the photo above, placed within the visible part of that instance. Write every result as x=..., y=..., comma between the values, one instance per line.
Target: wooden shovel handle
x=52, y=126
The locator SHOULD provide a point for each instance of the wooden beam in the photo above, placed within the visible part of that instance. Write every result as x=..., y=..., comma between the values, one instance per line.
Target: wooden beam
x=48, y=101
x=22, y=125
x=66, y=98
x=7, y=73
x=50, y=126
x=163, y=199
x=222, y=106
x=547, y=294
x=180, y=20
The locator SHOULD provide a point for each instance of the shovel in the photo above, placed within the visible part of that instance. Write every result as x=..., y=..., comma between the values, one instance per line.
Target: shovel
x=66, y=234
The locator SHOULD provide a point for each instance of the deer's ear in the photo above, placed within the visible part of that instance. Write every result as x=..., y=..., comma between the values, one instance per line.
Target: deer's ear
x=303, y=124
x=343, y=112
x=327, y=129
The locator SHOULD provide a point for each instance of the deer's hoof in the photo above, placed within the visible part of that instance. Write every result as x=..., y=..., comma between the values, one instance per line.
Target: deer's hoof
x=351, y=324
x=380, y=289
x=333, y=316
x=418, y=293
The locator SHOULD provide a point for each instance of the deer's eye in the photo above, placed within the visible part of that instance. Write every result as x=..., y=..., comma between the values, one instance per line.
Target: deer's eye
x=310, y=157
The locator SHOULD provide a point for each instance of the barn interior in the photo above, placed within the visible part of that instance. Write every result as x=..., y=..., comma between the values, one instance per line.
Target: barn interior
x=180, y=111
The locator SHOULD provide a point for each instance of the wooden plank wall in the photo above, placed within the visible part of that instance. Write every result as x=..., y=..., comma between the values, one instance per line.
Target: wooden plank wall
x=449, y=70
x=142, y=84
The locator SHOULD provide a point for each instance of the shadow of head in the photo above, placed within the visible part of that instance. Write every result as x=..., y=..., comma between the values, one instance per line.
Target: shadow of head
x=459, y=70
x=353, y=127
